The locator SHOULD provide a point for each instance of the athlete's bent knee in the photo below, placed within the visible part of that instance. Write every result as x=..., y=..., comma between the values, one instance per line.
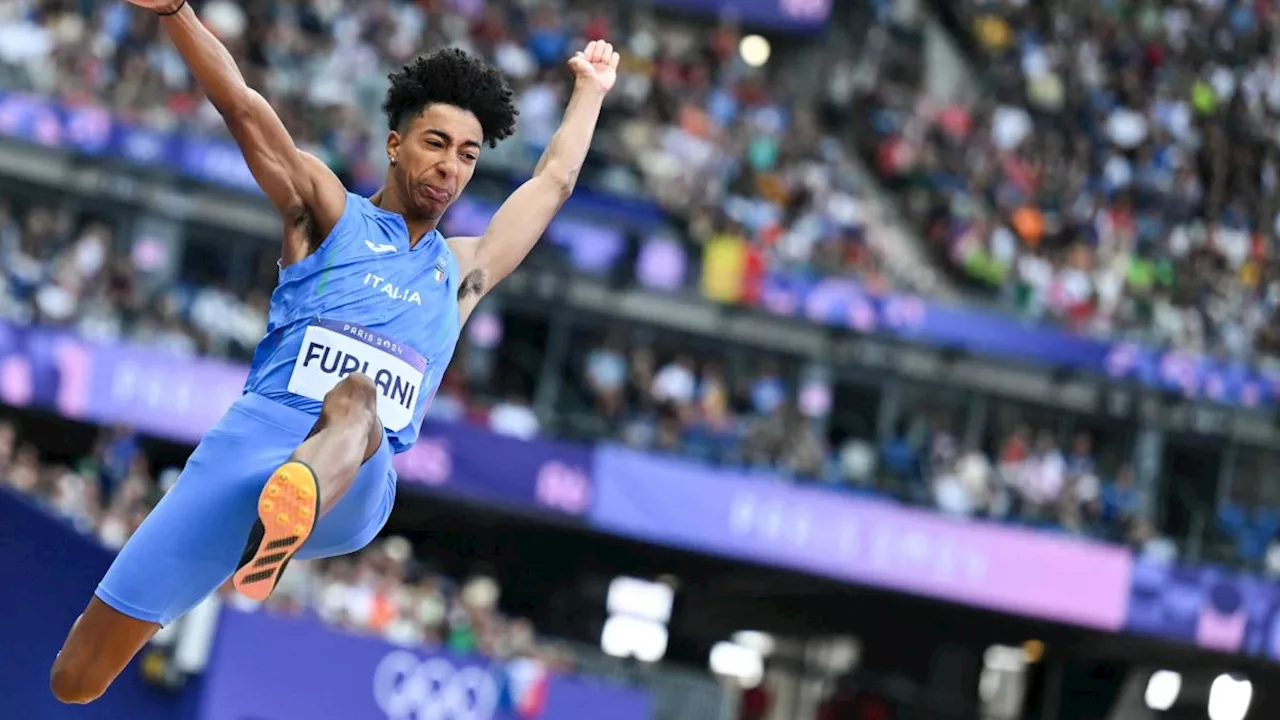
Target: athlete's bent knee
x=74, y=684
x=353, y=395
x=353, y=402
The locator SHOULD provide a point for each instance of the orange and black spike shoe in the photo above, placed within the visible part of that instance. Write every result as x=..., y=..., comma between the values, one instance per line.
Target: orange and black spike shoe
x=288, y=509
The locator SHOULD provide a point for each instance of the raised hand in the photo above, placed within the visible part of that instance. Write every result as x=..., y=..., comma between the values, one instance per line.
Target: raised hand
x=596, y=65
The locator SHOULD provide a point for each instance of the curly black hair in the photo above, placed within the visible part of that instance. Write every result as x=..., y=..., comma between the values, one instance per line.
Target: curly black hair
x=453, y=77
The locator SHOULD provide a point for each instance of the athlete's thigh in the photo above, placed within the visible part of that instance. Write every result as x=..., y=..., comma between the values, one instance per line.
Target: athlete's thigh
x=360, y=514
x=192, y=541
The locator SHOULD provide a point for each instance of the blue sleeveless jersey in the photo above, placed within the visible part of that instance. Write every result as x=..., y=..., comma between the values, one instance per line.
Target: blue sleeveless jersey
x=364, y=301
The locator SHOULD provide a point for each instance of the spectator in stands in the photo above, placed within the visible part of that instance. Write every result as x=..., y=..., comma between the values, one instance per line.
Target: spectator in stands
x=900, y=462
x=606, y=376
x=1013, y=455
x=75, y=497
x=643, y=365
x=950, y=493
x=1080, y=461
x=1120, y=502
x=1082, y=490
x=24, y=473
x=431, y=609
x=640, y=428
x=766, y=439
x=514, y=417
x=965, y=487
x=1149, y=544
x=710, y=431
x=804, y=453
x=713, y=396
x=675, y=386
x=768, y=391
x=117, y=451
x=975, y=471
x=1251, y=526
x=1042, y=480
x=857, y=464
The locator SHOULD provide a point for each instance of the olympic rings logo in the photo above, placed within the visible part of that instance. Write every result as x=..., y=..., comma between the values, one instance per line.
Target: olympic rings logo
x=407, y=687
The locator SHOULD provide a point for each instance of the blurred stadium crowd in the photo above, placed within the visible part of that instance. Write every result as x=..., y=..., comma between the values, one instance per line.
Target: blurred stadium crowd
x=1119, y=176
x=1123, y=189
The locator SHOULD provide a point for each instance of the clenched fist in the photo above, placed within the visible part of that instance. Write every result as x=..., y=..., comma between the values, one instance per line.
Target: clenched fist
x=597, y=64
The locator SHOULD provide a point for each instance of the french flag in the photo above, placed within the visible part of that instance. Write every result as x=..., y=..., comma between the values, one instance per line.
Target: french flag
x=526, y=688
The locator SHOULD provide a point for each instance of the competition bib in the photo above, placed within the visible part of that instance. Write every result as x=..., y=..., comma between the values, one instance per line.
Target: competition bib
x=332, y=350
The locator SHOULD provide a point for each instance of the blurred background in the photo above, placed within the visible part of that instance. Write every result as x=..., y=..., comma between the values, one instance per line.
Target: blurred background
x=894, y=359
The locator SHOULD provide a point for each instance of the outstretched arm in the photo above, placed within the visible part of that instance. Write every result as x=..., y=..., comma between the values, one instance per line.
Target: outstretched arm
x=520, y=222
x=303, y=189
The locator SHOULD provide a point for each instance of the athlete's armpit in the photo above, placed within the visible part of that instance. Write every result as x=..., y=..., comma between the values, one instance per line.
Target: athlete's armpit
x=476, y=280
x=473, y=285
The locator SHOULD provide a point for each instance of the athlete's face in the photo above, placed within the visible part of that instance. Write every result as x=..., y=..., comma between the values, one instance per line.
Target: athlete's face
x=434, y=158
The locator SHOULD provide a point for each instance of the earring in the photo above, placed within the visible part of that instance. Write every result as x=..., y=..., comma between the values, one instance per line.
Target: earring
x=392, y=159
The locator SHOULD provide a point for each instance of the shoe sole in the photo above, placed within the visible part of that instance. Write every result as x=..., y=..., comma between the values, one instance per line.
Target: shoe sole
x=287, y=511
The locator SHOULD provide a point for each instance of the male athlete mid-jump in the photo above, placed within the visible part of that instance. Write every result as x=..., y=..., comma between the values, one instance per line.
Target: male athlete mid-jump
x=363, y=323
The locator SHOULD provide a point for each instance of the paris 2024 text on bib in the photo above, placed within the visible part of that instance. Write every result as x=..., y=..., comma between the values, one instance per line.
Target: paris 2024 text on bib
x=332, y=350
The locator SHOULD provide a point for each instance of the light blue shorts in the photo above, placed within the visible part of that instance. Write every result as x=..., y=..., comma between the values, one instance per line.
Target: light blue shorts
x=192, y=541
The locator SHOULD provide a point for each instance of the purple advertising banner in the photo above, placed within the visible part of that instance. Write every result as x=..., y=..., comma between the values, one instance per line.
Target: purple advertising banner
x=1207, y=606
x=476, y=464
x=169, y=396
x=272, y=668
x=180, y=398
x=845, y=303
x=774, y=14
x=861, y=540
